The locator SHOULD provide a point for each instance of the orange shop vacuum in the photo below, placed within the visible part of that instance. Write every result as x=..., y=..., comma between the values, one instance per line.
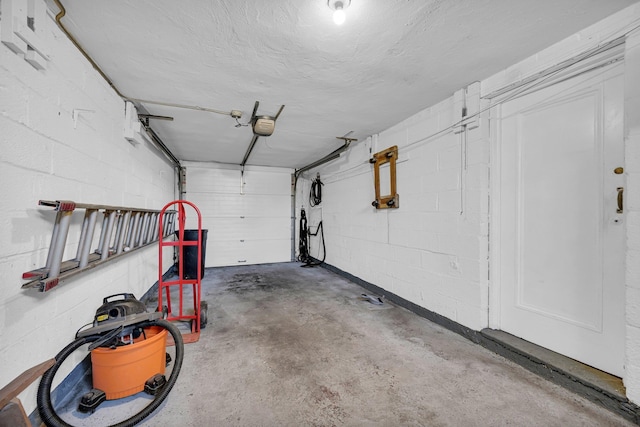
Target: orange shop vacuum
x=127, y=345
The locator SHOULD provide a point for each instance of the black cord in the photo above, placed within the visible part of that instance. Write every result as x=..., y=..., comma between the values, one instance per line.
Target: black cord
x=303, y=242
x=315, y=193
x=82, y=327
x=309, y=262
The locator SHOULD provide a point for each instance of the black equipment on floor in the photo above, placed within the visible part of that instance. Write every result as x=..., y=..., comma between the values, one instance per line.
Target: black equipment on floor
x=303, y=246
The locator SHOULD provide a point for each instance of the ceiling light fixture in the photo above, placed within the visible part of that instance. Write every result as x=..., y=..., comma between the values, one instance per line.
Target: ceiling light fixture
x=338, y=6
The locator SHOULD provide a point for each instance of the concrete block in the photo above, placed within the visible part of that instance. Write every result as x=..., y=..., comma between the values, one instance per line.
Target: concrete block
x=632, y=274
x=463, y=245
x=633, y=230
x=632, y=353
x=440, y=304
x=426, y=202
x=450, y=201
x=472, y=316
x=407, y=256
x=426, y=158
x=442, y=223
x=631, y=197
x=23, y=148
x=477, y=152
x=451, y=157
x=423, y=240
x=408, y=291
x=14, y=103
x=632, y=382
x=471, y=270
x=421, y=126
x=448, y=179
x=633, y=307
x=632, y=152
x=435, y=262
x=477, y=177
x=395, y=135
x=462, y=290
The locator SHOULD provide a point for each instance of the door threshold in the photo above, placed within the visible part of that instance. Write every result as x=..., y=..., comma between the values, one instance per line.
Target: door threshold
x=593, y=384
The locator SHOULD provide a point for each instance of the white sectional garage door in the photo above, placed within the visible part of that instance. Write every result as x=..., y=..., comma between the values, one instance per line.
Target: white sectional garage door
x=248, y=225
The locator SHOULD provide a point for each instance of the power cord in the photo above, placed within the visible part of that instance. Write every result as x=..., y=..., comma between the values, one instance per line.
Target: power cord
x=303, y=242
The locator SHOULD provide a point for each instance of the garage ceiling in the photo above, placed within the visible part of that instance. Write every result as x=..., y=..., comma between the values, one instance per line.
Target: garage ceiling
x=389, y=60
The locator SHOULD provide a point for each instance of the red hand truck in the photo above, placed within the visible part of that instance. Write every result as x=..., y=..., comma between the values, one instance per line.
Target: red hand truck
x=199, y=316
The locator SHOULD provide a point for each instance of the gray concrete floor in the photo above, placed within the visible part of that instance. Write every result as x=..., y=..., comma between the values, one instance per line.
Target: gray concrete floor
x=292, y=346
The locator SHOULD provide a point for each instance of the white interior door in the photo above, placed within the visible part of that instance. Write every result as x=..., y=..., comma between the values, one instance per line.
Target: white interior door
x=561, y=243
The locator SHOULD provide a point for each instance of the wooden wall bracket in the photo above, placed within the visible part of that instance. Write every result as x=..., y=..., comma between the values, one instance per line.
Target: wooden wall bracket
x=391, y=200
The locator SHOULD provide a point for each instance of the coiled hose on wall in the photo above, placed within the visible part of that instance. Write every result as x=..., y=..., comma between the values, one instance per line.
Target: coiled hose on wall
x=45, y=407
x=315, y=192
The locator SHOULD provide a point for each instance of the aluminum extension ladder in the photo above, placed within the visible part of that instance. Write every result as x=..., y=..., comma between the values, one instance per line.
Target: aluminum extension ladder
x=123, y=230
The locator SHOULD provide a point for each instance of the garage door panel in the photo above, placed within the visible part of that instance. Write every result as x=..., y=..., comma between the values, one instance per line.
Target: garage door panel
x=237, y=205
x=258, y=183
x=249, y=228
x=227, y=181
x=213, y=180
x=247, y=252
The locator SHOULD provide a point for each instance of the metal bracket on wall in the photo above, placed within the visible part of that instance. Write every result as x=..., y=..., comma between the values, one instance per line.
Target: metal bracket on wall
x=123, y=231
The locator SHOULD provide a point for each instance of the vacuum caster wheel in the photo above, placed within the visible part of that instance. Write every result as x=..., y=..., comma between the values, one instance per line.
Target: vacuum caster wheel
x=90, y=401
x=154, y=384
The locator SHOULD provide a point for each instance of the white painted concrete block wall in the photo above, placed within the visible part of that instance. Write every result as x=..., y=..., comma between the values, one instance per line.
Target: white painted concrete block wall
x=44, y=155
x=433, y=251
